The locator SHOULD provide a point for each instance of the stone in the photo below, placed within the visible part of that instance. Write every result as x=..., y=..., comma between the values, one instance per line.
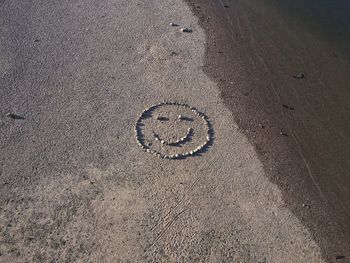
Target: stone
x=186, y=30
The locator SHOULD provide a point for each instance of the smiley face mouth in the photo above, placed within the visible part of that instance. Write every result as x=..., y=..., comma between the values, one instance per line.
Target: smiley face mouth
x=176, y=142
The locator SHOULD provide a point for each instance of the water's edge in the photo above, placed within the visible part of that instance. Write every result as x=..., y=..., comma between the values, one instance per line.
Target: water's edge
x=248, y=85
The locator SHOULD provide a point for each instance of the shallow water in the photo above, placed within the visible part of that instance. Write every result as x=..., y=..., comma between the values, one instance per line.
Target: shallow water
x=312, y=37
x=254, y=50
x=327, y=19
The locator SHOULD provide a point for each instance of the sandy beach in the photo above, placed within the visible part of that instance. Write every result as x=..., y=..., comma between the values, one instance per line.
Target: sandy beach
x=76, y=186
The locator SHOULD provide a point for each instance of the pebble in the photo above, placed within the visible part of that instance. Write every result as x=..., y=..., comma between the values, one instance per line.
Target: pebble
x=186, y=30
x=287, y=107
x=174, y=24
x=299, y=76
x=162, y=119
x=306, y=206
x=14, y=116
x=339, y=257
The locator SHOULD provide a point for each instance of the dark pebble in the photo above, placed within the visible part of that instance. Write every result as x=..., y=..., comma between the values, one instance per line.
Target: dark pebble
x=162, y=119
x=287, y=107
x=14, y=116
x=187, y=30
x=339, y=257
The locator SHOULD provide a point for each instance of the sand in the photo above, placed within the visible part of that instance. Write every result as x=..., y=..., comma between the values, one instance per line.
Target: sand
x=76, y=187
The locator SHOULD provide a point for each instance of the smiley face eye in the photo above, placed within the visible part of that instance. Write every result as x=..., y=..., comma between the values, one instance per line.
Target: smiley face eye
x=180, y=117
x=184, y=118
x=161, y=118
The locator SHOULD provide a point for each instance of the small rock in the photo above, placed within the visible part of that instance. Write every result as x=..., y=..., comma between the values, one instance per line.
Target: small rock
x=299, y=76
x=174, y=24
x=14, y=116
x=339, y=257
x=283, y=134
x=162, y=118
x=261, y=126
x=287, y=107
x=186, y=30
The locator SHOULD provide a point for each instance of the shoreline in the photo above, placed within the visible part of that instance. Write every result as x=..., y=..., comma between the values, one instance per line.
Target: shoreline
x=265, y=116
x=77, y=181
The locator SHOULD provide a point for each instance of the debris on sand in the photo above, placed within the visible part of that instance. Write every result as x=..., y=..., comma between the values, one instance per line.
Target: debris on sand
x=339, y=257
x=173, y=53
x=186, y=30
x=174, y=24
x=299, y=76
x=287, y=107
x=14, y=116
x=284, y=134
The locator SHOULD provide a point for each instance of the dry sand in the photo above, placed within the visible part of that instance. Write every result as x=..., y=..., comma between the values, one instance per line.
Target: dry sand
x=76, y=187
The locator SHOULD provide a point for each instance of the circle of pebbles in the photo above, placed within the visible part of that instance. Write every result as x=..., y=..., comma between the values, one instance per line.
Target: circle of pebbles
x=148, y=112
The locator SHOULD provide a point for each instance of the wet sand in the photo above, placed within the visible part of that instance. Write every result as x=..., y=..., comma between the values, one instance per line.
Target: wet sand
x=299, y=126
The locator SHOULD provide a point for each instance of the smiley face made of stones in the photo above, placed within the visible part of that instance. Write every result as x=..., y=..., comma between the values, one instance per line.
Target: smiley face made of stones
x=172, y=130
